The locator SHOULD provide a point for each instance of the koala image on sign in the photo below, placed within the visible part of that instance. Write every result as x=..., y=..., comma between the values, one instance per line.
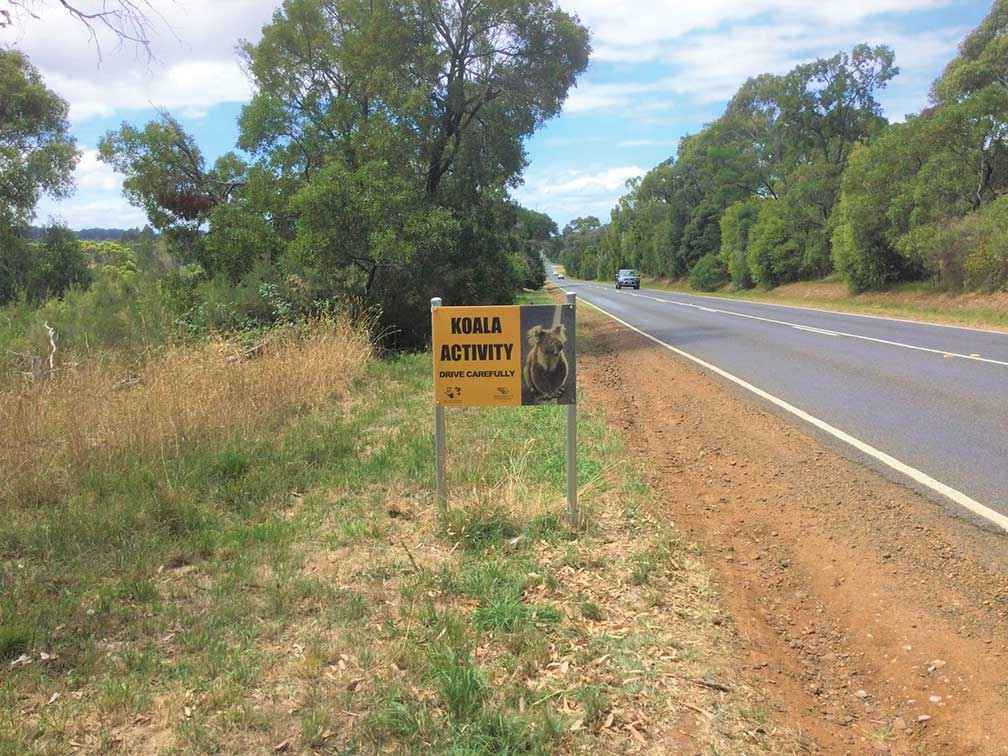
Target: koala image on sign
x=545, y=371
x=547, y=356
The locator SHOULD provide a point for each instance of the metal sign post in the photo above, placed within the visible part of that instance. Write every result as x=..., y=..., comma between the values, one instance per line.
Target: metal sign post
x=439, y=438
x=573, y=514
x=505, y=356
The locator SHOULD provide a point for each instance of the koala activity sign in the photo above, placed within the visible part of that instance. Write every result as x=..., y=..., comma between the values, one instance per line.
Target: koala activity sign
x=503, y=356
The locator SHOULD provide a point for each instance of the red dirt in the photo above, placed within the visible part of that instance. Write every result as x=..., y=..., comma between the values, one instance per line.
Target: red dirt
x=857, y=600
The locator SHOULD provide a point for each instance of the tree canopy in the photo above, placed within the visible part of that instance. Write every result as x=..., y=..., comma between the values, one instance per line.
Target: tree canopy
x=37, y=153
x=801, y=176
x=384, y=139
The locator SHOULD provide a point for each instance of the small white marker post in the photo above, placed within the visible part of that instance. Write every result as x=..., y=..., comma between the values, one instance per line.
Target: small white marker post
x=573, y=514
x=439, y=440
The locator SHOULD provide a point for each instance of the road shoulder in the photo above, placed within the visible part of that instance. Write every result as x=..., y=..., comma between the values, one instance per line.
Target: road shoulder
x=875, y=620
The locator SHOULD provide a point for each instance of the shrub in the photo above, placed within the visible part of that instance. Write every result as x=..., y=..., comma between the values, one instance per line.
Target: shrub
x=986, y=266
x=702, y=235
x=970, y=251
x=14, y=264
x=708, y=274
x=774, y=255
x=736, y=224
x=861, y=252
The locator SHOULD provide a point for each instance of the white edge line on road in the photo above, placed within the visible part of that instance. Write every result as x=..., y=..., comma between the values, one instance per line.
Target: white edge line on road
x=913, y=473
x=743, y=300
x=811, y=329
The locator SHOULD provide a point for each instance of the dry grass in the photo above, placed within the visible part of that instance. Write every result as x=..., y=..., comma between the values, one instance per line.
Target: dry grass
x=98, y=413
x=311, y=598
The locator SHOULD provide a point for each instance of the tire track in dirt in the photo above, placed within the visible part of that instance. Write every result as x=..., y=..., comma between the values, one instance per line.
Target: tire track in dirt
x=874, y=620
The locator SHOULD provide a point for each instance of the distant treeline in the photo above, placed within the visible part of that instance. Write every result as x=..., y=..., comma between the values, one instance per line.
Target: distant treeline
x=34, y=233
x=802, y=177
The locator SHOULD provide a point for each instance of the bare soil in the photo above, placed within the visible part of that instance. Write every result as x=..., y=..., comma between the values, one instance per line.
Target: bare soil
x=873, y=619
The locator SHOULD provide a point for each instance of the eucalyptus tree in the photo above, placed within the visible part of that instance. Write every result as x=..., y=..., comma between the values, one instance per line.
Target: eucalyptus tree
x=37, y=153
x=37, y=157
x=426, y=102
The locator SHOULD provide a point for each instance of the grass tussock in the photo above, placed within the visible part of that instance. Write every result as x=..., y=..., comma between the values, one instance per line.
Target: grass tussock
x=97, y=414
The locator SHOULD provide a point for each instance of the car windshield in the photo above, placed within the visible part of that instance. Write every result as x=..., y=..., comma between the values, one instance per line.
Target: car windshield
x=628, y=273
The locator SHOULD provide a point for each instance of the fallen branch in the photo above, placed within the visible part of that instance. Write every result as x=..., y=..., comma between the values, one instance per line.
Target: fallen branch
x=409, y=554
x=706, y=682
x=52, y=344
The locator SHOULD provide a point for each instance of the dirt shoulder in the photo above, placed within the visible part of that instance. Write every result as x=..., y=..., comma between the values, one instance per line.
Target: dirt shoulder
x=913, y=302
x=874, y=620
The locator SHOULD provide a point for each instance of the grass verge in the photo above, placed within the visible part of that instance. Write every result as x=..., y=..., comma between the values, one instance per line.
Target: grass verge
x=286, y=584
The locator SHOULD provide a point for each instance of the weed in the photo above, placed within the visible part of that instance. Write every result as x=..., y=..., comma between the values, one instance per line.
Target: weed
x=480, y=529
x=646, y=562
x=14, y=640
x=596, y=704
x=401, y=717
x=462, y=687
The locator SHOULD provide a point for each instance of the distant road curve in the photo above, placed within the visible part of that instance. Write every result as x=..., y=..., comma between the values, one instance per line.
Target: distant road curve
x=924, y=401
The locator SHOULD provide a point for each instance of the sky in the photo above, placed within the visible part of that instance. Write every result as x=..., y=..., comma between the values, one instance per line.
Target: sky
x=660, y=69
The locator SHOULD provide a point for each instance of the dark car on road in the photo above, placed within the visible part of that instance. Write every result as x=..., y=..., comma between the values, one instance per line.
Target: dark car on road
x=627, y=278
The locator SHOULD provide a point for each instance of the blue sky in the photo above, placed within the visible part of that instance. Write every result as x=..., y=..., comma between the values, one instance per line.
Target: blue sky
x=660, y=69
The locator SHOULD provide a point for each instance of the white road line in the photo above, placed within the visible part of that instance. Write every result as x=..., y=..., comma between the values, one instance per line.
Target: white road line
x=942, y=352
x=841, y=312
x=913, y=473
x=810, y=329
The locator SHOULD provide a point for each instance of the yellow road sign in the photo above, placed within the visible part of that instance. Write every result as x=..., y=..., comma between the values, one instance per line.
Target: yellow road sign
x=503, y=355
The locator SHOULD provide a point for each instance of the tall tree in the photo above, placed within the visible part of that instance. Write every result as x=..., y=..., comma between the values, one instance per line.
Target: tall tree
x=37, y=153
x=167, y=176
x=982, y=60
x=441, y=88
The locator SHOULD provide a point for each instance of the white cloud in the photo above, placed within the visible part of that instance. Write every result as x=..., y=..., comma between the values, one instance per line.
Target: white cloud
x=708, y=68
x=97, y=211
x=92, y=174
x=564, y=194
x=98, y=201
x=638, y=30
x=195, y=68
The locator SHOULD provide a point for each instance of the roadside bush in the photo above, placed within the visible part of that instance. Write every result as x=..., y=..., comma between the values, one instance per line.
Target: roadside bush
x=533, y=270
x=122, y=310
x=708, y=274
x=970, y=252
x=702, y=235
x=14, y=264
x=986, y=266
x=863, y=252
x=736, y=224
x=48, y=268
x=774, y=255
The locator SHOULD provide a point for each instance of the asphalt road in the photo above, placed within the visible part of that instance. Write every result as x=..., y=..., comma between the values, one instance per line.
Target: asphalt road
x=933, y=397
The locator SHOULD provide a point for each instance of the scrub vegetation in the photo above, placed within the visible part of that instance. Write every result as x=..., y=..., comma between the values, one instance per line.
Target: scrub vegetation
x=377, y=152
x=239, y=551
x=802, y=177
